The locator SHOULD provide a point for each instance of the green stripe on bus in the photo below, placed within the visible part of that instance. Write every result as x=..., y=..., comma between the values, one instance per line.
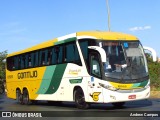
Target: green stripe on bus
x=56, y=79
x=143, y=83
x=73, y=81
x=65, y=41
x=48, y=75
x=135, y=85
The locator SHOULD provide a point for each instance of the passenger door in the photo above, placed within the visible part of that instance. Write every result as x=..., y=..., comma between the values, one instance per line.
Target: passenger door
x=96, y=75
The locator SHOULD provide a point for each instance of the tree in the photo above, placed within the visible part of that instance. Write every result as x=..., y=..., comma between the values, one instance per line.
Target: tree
x=154, y=73
x=3, y=56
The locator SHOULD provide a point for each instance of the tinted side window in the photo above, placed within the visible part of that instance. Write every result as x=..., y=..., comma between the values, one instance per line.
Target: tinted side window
x=16, y=63
x=54, y=56
x=23, y=61
x=10, y=63
x=49, y=56
x=58, y=54
x=72, y=54
x=70, y=49
x=84, y=48
x=43, y=57
x=35, y=54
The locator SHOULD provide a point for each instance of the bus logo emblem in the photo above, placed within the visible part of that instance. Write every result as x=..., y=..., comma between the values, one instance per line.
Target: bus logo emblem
x=95, y=96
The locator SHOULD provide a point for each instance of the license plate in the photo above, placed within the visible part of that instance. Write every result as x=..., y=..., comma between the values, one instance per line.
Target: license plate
x=132, y=97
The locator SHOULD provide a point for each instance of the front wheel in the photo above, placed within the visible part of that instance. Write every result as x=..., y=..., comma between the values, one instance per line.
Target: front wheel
x=80, y=99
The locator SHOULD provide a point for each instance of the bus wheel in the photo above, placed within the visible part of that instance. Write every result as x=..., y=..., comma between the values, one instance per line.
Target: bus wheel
x=19, y=96
x=80, y=100
x=118, y=104
x=26, y=99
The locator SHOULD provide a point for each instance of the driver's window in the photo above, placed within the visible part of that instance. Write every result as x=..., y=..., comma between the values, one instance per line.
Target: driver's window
x=94, y=65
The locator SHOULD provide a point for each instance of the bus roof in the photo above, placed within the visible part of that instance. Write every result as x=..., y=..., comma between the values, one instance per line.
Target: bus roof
x=102, y=35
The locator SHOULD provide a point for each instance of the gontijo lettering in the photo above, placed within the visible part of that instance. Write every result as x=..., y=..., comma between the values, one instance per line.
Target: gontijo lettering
x=27, y=74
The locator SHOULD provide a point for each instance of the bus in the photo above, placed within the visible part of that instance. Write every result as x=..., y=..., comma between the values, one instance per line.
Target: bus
x=84, y=67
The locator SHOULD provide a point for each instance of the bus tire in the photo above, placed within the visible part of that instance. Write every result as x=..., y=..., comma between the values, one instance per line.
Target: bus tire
x=118, y=104
x=26, y=100
x=18, y=97
x=80, y=100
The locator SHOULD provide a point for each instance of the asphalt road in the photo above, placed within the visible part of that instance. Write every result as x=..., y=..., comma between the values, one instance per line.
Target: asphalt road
x=68, y=110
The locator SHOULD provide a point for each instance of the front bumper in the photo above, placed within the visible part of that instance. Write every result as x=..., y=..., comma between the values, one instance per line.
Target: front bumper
x=125, y=95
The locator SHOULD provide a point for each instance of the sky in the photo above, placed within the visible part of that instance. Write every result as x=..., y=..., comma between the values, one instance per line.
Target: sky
x=24, y=23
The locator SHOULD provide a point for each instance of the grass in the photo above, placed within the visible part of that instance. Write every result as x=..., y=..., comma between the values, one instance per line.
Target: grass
x=153, y=88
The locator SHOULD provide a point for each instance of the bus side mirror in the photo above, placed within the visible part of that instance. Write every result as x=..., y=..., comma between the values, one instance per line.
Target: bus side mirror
x=101, y=52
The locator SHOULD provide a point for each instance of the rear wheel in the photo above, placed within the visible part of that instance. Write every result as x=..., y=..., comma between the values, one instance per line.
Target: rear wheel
x=80, y=99
x=26, y=99
x=118, y=104
x=19, y=96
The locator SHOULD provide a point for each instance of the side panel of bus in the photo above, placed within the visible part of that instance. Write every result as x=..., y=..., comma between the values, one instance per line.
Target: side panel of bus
x=29, y=78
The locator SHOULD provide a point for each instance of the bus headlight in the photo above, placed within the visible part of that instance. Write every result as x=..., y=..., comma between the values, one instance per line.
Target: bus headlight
x=108, y=87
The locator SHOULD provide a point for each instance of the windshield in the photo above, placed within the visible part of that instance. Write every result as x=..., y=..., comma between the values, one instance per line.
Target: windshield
x=125, y=60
